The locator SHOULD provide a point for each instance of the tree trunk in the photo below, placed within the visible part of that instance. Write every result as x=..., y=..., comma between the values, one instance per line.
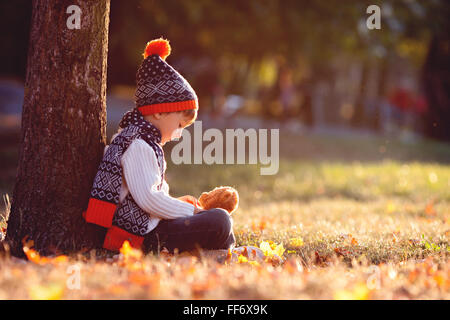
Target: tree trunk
x=436, y=82
x=63, y=130
x=359, y=116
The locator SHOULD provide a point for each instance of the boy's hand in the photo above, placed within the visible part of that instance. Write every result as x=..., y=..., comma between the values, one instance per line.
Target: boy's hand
x=192, y=200
x=189, y=199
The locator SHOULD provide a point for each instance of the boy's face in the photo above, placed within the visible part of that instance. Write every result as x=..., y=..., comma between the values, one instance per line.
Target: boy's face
x=170, y=124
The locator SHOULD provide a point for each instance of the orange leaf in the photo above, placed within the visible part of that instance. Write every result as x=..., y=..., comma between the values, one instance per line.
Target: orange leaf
x=143, y=279
x=429, y=209
x=35, y=257
x=349, y=239
x=229, y=255
x=129, y=252
x=439, y=279
x=412, y=276
x=259, y=226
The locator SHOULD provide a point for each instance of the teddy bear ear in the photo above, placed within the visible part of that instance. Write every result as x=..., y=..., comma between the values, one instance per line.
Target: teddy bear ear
x=202, y=198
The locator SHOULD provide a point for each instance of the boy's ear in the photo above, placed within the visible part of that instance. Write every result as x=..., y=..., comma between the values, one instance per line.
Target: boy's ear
x=157, y=115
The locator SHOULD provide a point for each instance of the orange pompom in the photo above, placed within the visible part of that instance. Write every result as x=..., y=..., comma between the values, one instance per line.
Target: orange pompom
x=160, y=46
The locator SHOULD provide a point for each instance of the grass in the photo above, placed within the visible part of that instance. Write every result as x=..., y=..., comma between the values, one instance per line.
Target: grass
x=357, y=222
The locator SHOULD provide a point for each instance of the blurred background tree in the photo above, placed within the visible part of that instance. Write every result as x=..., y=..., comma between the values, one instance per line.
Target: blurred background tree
x=313, y=60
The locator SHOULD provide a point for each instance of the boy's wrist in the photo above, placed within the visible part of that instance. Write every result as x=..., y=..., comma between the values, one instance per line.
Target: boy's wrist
x=198, y=209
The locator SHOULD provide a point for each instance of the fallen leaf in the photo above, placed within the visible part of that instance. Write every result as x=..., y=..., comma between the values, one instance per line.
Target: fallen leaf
x=390, y=207
x=129, y=252
x=117, y=289
x=349, y=239
x=429, y=209
x=296, y=242
x=358, y=292
x=49, y=292
x=242, y=259
x=36, y=258
x=270, y=249
x=152, y=281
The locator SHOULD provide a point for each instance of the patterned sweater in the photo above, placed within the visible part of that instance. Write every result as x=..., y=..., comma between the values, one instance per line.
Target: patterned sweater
x=141, y=175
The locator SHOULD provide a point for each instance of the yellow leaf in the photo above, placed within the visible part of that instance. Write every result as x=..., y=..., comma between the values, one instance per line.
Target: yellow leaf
x=265, y=247
x=254, y=263
x=270, y=249
x=279, y=250
x=343, y=295
x=51, y=292
x=296, y=242
x=242, y=259
x=358, y=292
x=129, y=252
x=390, y=208
x=361, y=292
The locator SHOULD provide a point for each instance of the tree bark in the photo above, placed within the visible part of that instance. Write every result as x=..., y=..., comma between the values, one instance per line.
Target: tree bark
x=63, y=130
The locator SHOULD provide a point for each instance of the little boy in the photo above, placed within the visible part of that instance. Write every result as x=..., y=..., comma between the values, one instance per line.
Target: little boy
x=130, y=197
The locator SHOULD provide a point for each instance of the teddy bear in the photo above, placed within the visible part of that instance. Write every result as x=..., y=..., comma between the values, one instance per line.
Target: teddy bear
x=220, y=197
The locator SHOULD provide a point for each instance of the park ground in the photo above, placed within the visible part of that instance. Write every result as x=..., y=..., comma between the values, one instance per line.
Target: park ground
x=358, y=217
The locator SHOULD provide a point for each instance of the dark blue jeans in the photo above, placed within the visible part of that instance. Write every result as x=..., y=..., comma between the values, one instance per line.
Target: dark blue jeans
x=209, y=229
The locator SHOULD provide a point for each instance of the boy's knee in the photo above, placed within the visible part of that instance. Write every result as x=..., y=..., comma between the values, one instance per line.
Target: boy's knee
x=221, y=220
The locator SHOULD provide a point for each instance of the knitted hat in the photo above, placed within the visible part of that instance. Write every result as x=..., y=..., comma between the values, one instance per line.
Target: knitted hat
x=160, y=88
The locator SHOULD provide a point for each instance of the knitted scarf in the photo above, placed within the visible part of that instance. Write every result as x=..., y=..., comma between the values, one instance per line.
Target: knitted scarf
x=103, y=207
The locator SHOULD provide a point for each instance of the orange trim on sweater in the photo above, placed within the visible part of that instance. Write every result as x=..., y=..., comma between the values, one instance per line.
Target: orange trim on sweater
x=168, y=107
x=115, y=237
x=100, y=212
